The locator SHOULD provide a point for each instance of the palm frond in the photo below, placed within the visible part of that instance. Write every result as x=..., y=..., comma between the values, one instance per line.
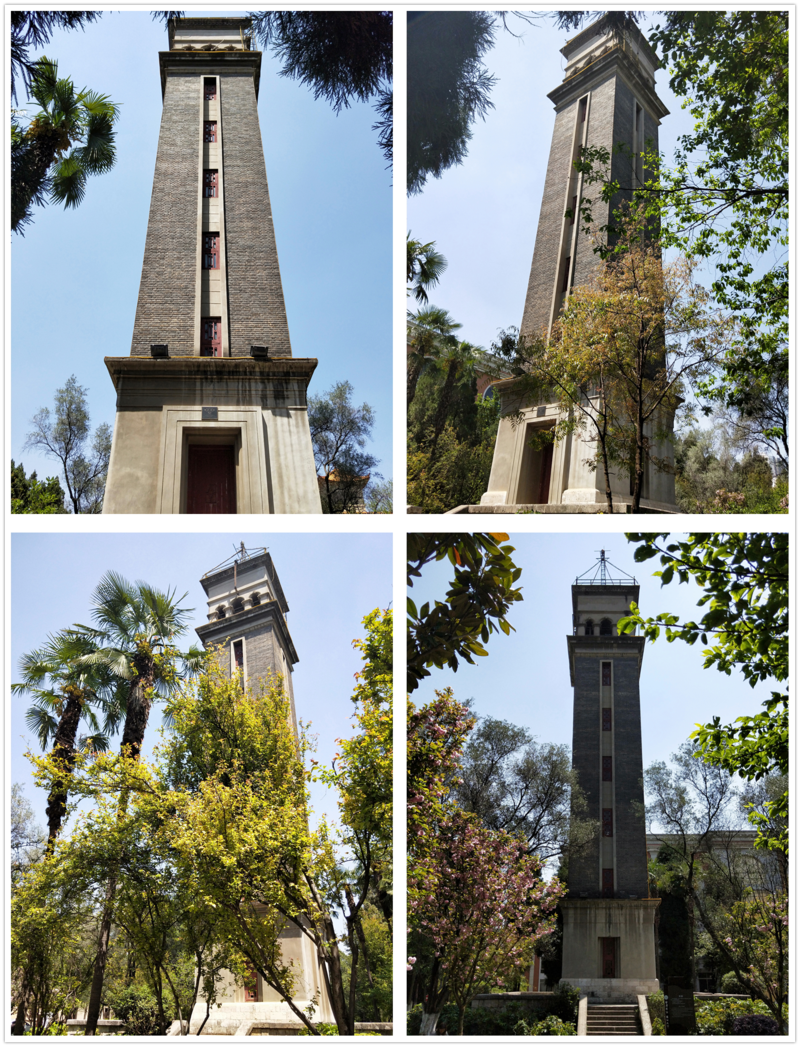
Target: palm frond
x=69, y=182
x=41, y=723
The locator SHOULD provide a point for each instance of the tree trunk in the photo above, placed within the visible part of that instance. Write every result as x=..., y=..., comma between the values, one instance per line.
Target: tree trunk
x=138, y=712
x=64, y=753
x=430, y=1020
x=96, y=994
x=384, y=898
x=18, y=1028
x=413, y=376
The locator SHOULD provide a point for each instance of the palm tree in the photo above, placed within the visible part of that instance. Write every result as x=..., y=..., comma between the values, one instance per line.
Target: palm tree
x=66, y=690
x=70, y=138
x=430, y=331
x=135, y=627
x=424, y=267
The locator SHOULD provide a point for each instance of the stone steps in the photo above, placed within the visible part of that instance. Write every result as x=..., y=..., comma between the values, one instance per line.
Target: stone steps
x=609, y=1019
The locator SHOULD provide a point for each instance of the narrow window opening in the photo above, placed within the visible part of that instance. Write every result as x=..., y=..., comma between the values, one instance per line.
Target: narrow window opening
x=605, y=627
x=606, y=768
x=574, y=209
x=565, y=283
x=210, y=88
x=209, y=130
x=608, y=821
x=606, y=671
x=211, y=343
x=606, y=719
x=211, y=250
x=210, y=183
x=608, y=883
x=582, y=111
x=589, y=627
x=238, y=659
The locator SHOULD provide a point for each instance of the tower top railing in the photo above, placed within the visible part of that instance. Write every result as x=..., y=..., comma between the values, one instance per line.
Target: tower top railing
x=599, y=574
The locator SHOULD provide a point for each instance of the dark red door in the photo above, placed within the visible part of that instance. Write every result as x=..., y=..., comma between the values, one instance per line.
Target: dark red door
x=212, y=480
x=546, y=469
x=211, y=342
x=609, y=957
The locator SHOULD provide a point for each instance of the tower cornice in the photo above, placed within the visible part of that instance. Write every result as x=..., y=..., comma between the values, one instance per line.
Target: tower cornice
x=209, y=63
x=234, y=625
x=599, y=646
x=615, y=59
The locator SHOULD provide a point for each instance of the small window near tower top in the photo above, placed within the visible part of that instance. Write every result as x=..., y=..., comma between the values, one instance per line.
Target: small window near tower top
x=238, y=658
x=606, y=674
x=209, y=130
x=574, y=209
x=589, y=627
x=211, y=342
x=606, y=719
x=209, y=183
x=565, y=282
x=210, y=88
x=606, y=768
x=605, y=627
x=608, y=821
x=582, y=110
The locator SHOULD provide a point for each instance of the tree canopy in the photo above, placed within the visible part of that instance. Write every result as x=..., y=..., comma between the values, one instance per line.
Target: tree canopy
x=476, y=604
x=339, y=433
x=31, y=495
x=65, y=436
x=343, y=56
x=447, y=88
x=745, y=578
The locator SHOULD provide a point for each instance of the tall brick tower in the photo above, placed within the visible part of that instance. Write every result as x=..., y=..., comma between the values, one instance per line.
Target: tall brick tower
x=211, y=405
x=607, y=98
x=247, y=621
x=609, y=920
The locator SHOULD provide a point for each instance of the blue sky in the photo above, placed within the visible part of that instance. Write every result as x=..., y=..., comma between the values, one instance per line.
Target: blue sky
x=525, y=677
x=330, y=582
x=75, y=274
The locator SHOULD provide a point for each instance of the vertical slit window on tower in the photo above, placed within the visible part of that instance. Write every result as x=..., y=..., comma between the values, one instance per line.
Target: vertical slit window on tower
x=606, y=768
x=209, y=183
x=606, y=674
x=608, y=883
x=606, y=719
x=565, y=283
x=210, y=88
x=582, y=111
x=238, y=658
x=574, y=209
x=209, y=130
x=211, y=344
x=211, y=250
x=608, y=821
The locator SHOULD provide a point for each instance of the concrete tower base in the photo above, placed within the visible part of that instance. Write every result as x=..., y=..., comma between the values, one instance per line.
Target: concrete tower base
x=256, y=406
x=629, y=925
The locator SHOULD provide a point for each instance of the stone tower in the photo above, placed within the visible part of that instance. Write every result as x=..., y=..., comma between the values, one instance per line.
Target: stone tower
x=211, y=405
x=609, y=920
x=607, y=97
x=247, y=622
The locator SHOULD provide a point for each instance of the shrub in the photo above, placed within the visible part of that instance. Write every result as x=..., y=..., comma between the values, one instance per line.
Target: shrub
x=549, y=1026
x=755, y=1025
x=414, y=1020
x=137, y=1007
x=565, y=1002
x=655, y=1007
x=716, y=1017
